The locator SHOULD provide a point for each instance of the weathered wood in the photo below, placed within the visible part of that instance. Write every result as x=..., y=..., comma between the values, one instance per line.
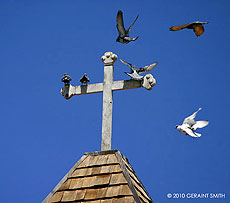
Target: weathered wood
x=102, y=179
x=91, y=194
x=64, y=179
x=98, y=87
x=101, y=192
x=57, y=196
x=127, y=176
x=112, y=159
x=113, y=191
x=115, y=169
x=88, y=181
x=69, y=196
x=104, y=175
x=96, y=170
x=86, y=89
x=142, y=197
x=101, y=152
x=105, y=169
x=76, y=183
x=80, y=194
x=102, y=160
x=126, y=85
x=107, y=201
x=65, y=185
x=117, y=179
x=125, y=190
x=124, y=163
x=81, y=172
x=141, y=190
x=107, y=109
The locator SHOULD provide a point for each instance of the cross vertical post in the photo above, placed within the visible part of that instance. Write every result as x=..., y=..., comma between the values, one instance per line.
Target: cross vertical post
x=108, y=59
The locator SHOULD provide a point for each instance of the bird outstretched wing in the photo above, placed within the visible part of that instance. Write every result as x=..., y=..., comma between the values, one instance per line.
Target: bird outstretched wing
x=120, y=24
x=200, y=124
x=127, y=31
x=190, y=120
x=133, y=68
x=176, y=28
x=191, y=133
x=126, y=63
x=146, y=68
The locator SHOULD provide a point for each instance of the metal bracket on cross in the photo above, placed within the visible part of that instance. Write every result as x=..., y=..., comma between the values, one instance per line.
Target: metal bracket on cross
x=107, y=87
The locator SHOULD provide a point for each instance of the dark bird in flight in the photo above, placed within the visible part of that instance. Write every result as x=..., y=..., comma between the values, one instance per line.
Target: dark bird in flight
x=124, y=34
x=84, y=79
x=197, y=27
x=136, y=71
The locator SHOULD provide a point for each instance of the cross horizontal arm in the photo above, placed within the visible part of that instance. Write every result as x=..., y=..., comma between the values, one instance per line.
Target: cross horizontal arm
x=69, y=91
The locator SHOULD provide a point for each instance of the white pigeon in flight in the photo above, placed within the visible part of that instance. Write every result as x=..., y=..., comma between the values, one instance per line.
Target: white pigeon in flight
x=190, y=125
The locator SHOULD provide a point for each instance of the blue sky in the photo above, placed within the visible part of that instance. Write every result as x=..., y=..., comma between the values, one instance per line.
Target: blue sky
x=43, y=135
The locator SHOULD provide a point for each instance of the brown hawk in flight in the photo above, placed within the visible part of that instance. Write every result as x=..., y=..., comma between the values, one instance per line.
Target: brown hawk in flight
x=197, y=27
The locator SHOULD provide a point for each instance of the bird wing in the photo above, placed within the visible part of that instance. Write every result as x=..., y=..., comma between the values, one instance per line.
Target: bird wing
x=126, y=63
x=191, y=133
x=200, y=124
x=133, y=68
x=127, y=31
x=146, y=68
x=198, y=29
x=120, y=23
x=190, y=120
x=176, y=28
x=134, y=75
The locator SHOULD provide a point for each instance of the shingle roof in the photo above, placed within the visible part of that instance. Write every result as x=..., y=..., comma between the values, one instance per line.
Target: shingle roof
x=100, y=177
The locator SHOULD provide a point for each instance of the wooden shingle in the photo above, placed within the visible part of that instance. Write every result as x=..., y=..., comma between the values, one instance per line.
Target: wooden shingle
x=88, y=181
x=81, y=172
x=91, y=194
x=57, y=196
x=112, y=159
x=102, y=179
x=113, y=191
x=80, y=194
x=69, y=196
x=101, y=193
x=65, y=185
x=117, y=178
x=76, y=183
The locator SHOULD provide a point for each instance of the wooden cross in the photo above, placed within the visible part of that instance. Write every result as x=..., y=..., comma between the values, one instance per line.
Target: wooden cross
x=107, y=87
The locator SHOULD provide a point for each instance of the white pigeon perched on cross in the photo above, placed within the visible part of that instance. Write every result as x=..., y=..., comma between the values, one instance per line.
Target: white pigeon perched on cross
x=190, y=125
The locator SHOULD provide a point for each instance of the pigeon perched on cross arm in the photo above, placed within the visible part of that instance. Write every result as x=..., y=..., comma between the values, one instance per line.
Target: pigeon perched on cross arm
x=190, y=125
x=84, y=79
x=123, y=33
x=66, y=79
x=136, y=71
x=197, y=27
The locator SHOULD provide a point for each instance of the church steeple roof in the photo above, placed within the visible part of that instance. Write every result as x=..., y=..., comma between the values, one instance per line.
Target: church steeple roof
x=100, y=177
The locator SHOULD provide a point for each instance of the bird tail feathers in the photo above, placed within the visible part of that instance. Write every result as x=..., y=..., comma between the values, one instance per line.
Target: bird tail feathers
x=197, y=134
x=135, y=38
